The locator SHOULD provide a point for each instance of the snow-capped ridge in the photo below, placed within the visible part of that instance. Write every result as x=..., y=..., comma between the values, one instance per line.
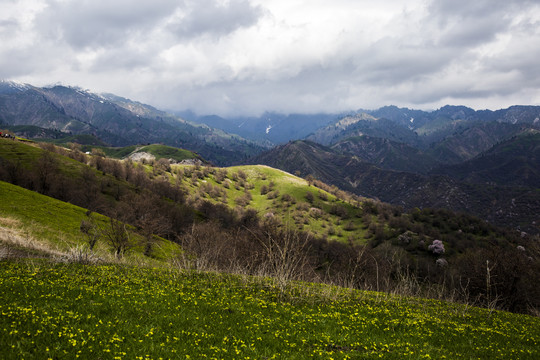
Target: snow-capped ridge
x=13, y=85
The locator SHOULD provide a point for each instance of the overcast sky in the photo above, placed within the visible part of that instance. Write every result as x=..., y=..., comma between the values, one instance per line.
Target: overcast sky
x=249, y=56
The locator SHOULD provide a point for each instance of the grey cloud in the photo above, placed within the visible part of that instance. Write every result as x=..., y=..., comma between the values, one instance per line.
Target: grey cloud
x=165, y=53
x=25, y=61
x=125, y=58
x=9, y=26
x=468, y=23
x=435, y=91
x=521, y=60
x=446, y=9
x=208, y=17
x=390, y=62
x=473, y=32
x=101, y=23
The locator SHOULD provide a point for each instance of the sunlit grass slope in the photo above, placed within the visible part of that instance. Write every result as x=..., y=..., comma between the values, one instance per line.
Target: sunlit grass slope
x=60, y=311
x=157, y=150
x=272, y=192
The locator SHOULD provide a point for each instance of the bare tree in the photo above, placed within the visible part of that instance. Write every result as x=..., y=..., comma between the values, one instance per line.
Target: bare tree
x=46, y=169
x=117, y=236
x=92, y=232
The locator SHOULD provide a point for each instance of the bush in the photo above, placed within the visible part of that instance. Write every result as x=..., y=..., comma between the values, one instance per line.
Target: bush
x=437, y=247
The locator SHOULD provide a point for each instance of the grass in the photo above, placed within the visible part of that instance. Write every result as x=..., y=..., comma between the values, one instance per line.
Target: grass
x=31, y=216
x=47, y=218
x=169, y=152
x=62, y=310
x=288, y=212
x=21, y=152
x=112, y=152
x=159, y=151
x=59, y=311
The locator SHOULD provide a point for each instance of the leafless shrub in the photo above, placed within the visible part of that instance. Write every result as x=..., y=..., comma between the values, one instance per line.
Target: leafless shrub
x=202, y=247
x=272, y=195
x=284, y=256
x=220, y=175
x=5, y=252
x=243, y=200
x=81, y=255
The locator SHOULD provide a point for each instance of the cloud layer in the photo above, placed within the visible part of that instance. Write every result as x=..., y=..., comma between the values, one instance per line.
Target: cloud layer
x=249, y=56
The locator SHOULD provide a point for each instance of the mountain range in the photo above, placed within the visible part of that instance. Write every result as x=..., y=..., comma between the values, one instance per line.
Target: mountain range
x=114, y=120
x=480, y=162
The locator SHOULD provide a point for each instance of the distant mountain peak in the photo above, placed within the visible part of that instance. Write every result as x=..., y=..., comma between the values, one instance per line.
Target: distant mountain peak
x=10, y=86
x=353, y=119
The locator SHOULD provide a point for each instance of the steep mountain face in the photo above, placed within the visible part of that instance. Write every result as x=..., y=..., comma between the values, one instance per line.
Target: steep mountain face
x=472, y=141
x=503, y=206
x=515, y=162
x=425, y=122
x=409, y=118
x=387, y=154
x=517, y=114
x=115, y=120
x=364, y=124
x=450, y=135
x=309, y=158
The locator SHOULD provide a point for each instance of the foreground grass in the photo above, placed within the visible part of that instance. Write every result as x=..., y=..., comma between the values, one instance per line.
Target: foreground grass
x=50, y=310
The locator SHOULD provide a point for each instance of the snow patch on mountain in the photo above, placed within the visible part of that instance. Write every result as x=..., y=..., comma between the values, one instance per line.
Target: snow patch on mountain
x=13, y=85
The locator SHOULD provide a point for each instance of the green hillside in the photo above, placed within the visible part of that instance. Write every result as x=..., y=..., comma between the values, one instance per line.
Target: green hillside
x=261, y=221
x=168, y=152
x=237, y=270
x=491, y=202
x=157, y=151
x=280, y=196
x=32, y=224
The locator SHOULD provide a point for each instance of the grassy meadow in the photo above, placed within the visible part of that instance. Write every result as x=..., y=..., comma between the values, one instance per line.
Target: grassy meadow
x=66, y=311
x=59, y=299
